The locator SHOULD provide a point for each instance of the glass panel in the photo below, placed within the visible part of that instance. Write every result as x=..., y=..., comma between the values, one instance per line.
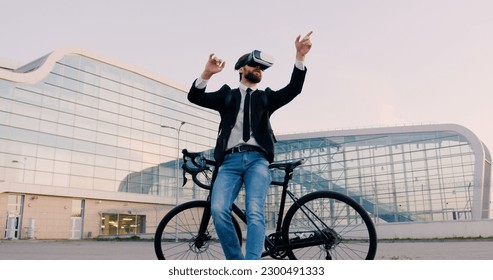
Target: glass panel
x=122, y=224
x=131, y=224
x=109, y=224
x=43, y=178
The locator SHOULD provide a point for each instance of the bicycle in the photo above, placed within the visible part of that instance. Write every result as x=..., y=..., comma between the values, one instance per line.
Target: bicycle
x=319, y=225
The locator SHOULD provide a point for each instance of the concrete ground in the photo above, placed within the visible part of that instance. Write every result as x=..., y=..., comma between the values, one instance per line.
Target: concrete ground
x=143, y=250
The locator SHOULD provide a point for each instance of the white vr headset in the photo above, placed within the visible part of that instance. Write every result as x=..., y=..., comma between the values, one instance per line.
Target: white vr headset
x=254, y=59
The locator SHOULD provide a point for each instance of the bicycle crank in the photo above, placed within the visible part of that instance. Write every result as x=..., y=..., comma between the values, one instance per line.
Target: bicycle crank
x=271, y=247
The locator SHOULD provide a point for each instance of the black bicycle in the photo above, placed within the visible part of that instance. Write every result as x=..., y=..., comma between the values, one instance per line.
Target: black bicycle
x=323, y=225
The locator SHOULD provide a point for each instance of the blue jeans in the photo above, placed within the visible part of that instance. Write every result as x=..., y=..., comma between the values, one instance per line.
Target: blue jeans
x=252, y=169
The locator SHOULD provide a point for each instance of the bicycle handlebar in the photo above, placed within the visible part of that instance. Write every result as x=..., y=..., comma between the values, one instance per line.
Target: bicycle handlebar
x=195, y=163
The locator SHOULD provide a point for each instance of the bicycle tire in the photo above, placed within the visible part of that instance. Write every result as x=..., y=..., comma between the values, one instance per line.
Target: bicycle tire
x=176, y=236
x=339, y=226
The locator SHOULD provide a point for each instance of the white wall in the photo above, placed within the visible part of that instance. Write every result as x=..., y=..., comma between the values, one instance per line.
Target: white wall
x=450, y=229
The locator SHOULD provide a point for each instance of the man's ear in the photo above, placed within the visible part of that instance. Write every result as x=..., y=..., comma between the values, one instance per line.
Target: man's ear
x=241, y=71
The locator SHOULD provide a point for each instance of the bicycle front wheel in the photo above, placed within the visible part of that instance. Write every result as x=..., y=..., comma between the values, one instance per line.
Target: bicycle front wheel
x=178, y=235
x=329, y=225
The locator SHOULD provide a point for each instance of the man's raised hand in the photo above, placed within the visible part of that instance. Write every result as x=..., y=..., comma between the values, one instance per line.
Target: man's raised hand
x=303, y=46
x=214, y=65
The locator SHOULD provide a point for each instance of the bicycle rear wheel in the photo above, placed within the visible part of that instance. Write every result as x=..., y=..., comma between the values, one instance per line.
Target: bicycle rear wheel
x=177, y=236
x=329, y=225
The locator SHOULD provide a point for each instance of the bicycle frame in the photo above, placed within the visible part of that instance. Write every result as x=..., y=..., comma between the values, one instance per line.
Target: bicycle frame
x=276, y=244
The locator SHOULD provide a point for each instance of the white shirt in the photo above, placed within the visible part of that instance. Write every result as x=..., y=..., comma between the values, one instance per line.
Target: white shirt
x=236, y=137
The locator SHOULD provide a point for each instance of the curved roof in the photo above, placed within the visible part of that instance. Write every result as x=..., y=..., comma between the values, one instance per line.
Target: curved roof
x=476, y=143
x=38, y=69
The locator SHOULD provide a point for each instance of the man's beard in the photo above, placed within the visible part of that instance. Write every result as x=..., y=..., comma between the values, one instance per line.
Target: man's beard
x=252, y=77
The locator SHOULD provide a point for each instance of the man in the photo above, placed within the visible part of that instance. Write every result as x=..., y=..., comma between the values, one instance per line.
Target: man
x=245, y=144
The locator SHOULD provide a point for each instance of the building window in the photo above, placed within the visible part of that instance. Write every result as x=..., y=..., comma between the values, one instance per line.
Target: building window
x=122, y=224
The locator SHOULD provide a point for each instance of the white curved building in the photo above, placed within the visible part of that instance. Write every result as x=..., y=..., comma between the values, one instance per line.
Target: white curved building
x=88, y=147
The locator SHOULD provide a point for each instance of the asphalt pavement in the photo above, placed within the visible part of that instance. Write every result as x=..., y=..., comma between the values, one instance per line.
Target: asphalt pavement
x=477, y=249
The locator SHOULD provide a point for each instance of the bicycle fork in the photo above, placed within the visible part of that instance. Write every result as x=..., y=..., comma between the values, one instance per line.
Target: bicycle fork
x=203, y=235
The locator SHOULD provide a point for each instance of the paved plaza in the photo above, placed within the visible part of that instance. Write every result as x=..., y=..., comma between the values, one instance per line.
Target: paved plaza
x=144, y=250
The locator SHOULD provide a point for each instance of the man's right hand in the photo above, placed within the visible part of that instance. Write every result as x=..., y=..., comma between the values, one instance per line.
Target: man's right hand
x=214, y=65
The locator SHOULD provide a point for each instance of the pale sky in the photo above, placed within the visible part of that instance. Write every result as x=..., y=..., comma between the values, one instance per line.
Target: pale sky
x=373, y=63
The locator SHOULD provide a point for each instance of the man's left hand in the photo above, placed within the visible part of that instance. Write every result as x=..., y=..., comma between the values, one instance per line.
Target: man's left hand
x=303, y=46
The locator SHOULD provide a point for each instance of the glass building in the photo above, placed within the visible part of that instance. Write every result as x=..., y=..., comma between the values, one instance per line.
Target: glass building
x=87, y=143
x=90, y=147
x=424, y=173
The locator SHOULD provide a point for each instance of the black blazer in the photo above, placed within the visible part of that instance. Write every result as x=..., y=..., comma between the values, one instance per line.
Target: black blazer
x=263, y=103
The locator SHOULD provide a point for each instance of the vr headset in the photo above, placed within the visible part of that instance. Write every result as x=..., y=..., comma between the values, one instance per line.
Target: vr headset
x=254, y=59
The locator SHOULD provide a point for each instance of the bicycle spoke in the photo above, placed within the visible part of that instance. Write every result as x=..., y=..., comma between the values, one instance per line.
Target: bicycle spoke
x=178, y=237
x=331, y=229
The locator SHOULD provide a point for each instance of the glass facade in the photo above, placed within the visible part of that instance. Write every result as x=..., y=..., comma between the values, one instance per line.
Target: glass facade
x=93, y=126
x=415, y=176
x=91, y=130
